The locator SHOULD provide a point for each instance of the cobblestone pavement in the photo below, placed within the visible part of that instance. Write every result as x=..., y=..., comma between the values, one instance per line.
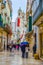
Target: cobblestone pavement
x=7, y=58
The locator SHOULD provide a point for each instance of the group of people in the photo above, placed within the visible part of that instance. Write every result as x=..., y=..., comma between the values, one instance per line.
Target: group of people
x=12, y=46
x=24, y=49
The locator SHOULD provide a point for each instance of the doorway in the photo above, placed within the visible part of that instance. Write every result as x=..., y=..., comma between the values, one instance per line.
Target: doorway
x=41, y=44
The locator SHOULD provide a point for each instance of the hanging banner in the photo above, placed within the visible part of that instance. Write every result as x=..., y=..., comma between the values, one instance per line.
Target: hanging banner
x=1, y=21
x=30, y=23
x=18, y=22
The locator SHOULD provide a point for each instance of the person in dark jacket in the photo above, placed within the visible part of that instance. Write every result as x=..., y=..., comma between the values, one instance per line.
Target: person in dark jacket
x=23, y=51
x=34, y=49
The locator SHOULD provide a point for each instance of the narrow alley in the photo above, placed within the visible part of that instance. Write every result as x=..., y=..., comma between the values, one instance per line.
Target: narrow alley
x=21, y=32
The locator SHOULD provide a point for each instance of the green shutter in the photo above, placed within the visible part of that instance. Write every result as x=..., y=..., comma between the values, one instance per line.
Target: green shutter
x=30, y=23
x=1, y=18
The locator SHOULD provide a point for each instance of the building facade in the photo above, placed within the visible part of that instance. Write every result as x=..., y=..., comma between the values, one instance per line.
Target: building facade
x=14, y=32
x=29, y=35
x=5, y=23
x=37, y=20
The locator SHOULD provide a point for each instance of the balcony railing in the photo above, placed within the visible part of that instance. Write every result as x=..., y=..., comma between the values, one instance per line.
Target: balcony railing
x=38, y=12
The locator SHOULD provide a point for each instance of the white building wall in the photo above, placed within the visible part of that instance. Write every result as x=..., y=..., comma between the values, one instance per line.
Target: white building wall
x=38, y=41
x=14, y=31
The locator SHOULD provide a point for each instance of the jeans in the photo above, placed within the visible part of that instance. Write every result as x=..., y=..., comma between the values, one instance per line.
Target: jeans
x=23, y=54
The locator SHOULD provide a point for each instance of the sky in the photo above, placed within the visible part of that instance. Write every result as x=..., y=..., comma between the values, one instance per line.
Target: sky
x=16, y=4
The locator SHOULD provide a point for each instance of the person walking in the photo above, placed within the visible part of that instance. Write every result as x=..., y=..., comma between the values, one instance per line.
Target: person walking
x=26, y=51
x=10, y=48
x=4, y=46
x=23, y=51
x=34, y=49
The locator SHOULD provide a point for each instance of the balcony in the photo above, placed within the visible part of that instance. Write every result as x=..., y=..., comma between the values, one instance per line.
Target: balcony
x=38, y=11
x=2, y=6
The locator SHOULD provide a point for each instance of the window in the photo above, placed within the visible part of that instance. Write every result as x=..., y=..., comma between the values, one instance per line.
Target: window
x=19, y=14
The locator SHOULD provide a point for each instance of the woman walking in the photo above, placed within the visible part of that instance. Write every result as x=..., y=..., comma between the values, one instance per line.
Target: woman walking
x=26, y=51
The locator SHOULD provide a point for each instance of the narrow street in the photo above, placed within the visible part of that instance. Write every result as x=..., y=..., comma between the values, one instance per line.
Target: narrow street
x=21, y=32
x=7, y=58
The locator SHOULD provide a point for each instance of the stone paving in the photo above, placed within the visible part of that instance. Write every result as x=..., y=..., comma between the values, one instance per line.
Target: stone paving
x=7, y=58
